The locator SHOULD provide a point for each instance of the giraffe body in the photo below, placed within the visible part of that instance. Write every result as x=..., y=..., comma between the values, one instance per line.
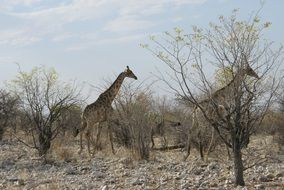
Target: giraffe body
x=215, y=106
x=100, y=111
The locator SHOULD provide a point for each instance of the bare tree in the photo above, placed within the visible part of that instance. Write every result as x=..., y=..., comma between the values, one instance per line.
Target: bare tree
x=233, y=112
x=8, y=105
x=42, y=100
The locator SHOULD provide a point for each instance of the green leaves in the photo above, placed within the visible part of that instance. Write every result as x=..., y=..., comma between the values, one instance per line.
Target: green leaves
x=267, y=24
x=256, y=19
x=178, y=30
x=144, y=45
x=223, y=75
x=152, y=37
x=195, y=66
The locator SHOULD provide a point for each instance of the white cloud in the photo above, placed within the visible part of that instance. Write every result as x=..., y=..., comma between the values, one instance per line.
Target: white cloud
x=76, y=47
x=6, y=59
x=62, y=37
x=78, y=10
x=127, y=23
x=121, y=39
x=149, y=7
x=65, y=13
x=223, y=1
x=9, y=5
x=50, y=21
x=17, y=37
x=177, y=19
x=131, y=12
x=105, y=41
x=24, y=2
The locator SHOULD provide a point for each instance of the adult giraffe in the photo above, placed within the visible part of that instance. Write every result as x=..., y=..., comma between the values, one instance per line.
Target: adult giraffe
x=101, y=110
x=215, y=106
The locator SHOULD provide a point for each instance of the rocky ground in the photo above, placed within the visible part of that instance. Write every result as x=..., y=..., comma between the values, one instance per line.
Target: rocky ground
x=19, y=169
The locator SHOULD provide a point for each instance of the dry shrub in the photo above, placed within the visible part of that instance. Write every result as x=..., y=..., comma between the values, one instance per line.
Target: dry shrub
x=182, y=131
x=201, y=137
x=69, y=121
x=132, y=124
x=64, y=154
x=262, y=149
x=272, y=124
x=122, y=133
x=167, y=123
x=60, y=151
x=8, y=109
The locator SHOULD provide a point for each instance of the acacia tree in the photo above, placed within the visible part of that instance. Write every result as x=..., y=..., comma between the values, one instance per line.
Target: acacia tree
x=43, y=98
x=232, y=44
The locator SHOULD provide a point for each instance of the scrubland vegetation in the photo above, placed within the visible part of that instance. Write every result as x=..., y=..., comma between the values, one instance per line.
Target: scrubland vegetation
x=211, y=134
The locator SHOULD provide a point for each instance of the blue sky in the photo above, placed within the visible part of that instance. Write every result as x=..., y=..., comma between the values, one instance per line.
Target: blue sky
x=91, y=40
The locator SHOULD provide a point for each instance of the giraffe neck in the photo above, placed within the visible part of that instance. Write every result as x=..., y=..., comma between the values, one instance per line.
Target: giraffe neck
x=236, y=80
x=234, y=83
x=112, y=91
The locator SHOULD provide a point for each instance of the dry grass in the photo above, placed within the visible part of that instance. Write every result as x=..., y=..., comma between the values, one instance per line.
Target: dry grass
x=66, y=150
x=24, y=174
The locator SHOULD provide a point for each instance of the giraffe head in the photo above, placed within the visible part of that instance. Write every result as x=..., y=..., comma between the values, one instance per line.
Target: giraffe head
x=128, y=73
x=250, y=72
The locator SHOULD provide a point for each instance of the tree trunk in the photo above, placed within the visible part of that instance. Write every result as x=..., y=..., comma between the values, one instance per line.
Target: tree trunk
x=44, y=141
x=236, y=141
x=201, y=151
x=1, y=132
x=2, y=129
x=238, y=162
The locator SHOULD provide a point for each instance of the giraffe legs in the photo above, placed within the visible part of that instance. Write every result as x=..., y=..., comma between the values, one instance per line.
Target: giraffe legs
x=111, y=138
x=88, y=138
x=211, y=144
x=165, y=143
x=200, y=146
x=187, y=152
x=84, y=125
x=81, y=143
x=97, y=145
x=152, y=138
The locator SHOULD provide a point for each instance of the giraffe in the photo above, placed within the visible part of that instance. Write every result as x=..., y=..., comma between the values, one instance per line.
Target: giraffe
x=215, y=107
x=101, y=110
